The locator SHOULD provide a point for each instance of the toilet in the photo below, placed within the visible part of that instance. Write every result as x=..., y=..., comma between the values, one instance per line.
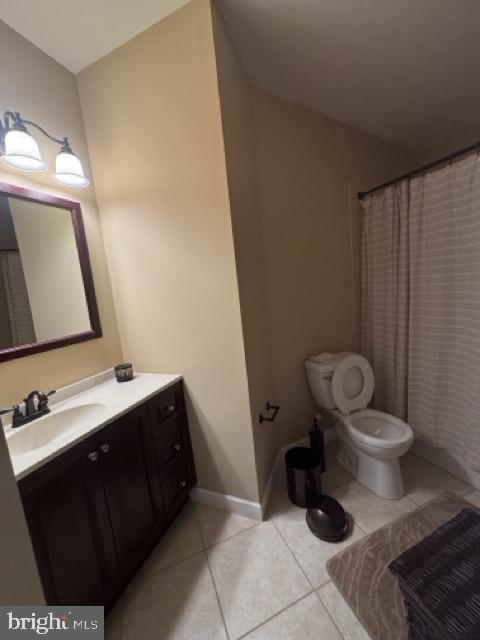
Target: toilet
x=371, y=442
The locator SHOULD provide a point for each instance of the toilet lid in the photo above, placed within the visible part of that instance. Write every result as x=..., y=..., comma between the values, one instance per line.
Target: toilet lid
x=352, y=383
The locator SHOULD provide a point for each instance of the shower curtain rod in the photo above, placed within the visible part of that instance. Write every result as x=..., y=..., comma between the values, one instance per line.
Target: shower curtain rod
x=423, y=168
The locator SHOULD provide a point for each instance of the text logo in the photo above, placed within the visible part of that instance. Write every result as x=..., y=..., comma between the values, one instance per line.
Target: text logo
x=22, y=623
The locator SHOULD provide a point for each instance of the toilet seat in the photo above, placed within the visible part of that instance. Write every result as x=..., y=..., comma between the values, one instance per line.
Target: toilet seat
x=377, y=429
x=352, y=383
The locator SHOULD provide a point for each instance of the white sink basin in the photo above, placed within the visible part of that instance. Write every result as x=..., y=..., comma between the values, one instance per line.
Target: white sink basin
x=52, y=427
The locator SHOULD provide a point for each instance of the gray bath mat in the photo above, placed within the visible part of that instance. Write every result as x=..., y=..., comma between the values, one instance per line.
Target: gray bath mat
x=361, y=571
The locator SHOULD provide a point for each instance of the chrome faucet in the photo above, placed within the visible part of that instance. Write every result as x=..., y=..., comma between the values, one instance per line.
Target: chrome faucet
x=33, y=410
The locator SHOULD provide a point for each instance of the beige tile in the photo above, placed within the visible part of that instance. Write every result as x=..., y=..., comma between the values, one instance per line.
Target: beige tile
x=423, y=481
x=304, y=620
x=341, y=613
x=216, y=526
x=311, y=552
x=473, y=497
x=181, y=541
x=256, y=577
x=367, y=509
x=334, y=476
x=178, y=603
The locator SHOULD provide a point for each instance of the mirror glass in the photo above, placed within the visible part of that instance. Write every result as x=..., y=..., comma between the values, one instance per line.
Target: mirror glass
x=43, y=296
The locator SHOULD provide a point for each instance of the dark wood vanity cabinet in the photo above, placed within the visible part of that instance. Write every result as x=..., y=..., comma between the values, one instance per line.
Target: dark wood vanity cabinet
x=131, y=489
x=69, y=528
x=97, y=510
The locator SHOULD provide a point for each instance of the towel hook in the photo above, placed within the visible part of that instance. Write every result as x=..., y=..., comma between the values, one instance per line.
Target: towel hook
x=270, y=407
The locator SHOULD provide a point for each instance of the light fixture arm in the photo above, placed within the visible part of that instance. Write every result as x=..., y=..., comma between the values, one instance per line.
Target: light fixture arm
x=12, y=119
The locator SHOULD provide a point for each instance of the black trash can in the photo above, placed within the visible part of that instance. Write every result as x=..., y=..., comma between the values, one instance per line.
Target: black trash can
x=304, y=476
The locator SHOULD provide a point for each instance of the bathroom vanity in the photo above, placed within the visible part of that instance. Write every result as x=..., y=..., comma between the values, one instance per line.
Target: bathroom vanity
x=103, y=467
x=99, y=493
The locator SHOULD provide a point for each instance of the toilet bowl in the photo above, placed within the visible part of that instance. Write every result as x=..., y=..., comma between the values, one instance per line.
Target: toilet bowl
x=371, y=442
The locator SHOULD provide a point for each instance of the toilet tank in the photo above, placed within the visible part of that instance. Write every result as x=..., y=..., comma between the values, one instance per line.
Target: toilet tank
x=320, y=369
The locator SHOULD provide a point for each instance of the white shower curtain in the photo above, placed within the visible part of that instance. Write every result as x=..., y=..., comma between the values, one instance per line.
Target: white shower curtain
x=421, y=303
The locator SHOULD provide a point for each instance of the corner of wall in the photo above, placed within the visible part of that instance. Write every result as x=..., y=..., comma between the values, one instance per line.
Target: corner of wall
x=168, y=208
x=235, y=92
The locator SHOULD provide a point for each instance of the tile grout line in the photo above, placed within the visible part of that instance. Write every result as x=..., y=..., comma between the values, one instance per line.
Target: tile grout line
x=215, y=544
x=222, y=615
x=359, y=622
x=293, y=555
x=314, y=590
x=168, y=566
x=196, y=553
x=355, y=524
x=258, y=626
x=327, y=611
x=278, y=612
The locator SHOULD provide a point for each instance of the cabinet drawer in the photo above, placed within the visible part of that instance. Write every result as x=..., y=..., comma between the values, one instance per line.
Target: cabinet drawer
x=170, y=449
x=166, y=409
x=175, y=488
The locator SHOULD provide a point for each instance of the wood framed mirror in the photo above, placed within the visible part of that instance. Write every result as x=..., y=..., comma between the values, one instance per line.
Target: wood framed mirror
x=47, y=294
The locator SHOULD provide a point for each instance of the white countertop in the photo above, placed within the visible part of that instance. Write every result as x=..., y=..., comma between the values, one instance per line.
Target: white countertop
x=107, y=400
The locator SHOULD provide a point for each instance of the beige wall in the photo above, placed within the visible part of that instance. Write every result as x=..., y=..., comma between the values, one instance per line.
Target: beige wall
x=52, y=269
x=153, y=123
x=310, y=168
x=239, y=139
x=42, y=90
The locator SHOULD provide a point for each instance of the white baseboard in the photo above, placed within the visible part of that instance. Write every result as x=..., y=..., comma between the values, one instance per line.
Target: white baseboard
x=248, y=508
x=232, y=504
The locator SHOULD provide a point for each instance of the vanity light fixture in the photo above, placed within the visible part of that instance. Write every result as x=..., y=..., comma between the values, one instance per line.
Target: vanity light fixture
x=19, y=149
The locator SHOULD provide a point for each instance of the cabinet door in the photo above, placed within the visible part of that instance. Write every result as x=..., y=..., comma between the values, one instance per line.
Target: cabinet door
x=126, y=467
x=71, y=535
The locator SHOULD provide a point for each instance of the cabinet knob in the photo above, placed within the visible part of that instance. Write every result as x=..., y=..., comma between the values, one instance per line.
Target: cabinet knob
x=93, y=456
x=171, y=408
x=105, y=448
x=177, y=447
x=183, y=483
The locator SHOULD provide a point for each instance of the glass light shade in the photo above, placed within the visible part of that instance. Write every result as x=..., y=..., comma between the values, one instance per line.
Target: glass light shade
x=69, y=170
x=22, y=152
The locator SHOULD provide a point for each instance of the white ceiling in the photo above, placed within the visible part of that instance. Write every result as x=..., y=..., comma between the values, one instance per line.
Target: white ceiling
x=79, y=32
x=405, y=70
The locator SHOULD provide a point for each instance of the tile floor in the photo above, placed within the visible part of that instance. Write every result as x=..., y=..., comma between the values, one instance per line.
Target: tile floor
x=219, y=576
